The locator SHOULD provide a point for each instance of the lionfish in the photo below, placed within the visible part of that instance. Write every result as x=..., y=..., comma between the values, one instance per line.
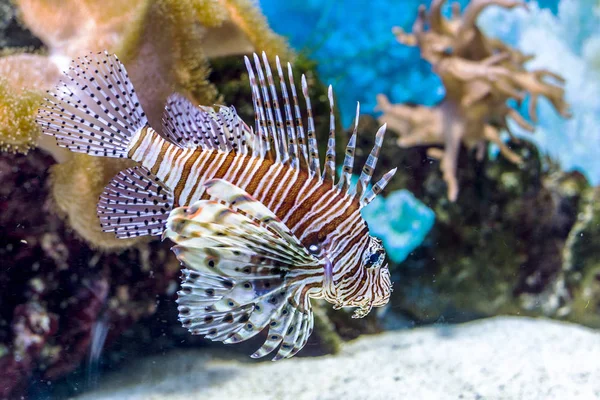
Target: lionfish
x=259, y=230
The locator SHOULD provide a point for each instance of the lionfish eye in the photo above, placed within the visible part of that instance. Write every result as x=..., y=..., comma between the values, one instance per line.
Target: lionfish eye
x=314, y=249
x=375, y=254
x=373, y=260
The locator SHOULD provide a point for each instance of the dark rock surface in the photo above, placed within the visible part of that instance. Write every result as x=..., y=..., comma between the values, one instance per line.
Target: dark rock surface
x=57, y=294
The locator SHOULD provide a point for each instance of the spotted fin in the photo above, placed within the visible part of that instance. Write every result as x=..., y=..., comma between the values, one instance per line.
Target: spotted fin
x=135, y=203
x=245, y=272
x=189, y=126
x=94, y=109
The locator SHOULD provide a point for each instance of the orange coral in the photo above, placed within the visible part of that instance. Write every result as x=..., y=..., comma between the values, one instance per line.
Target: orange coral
x=480, y=75
x=165, y=44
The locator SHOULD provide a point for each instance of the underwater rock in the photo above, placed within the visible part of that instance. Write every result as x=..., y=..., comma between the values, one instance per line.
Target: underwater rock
x=499, y=358
x=499, y=249
x=56, y=290
x=581, y=262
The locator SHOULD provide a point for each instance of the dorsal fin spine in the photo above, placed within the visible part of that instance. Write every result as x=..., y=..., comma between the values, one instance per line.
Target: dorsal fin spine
x=281, y=134
x=329, y=171
x=298, y=116
x=348, y=166
x=259, y=113
x=270, y=130
x=313, y=149
x=377, y=188
x=289, y=119
x=369, y=167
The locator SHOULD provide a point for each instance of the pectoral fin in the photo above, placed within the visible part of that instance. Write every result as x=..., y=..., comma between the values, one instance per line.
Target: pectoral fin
x=245, y=271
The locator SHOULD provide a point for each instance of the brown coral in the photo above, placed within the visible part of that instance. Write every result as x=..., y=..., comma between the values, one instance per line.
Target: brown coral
x=480, y=75
x=165, y=44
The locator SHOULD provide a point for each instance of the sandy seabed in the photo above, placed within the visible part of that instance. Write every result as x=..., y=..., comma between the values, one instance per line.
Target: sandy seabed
x=496, y=358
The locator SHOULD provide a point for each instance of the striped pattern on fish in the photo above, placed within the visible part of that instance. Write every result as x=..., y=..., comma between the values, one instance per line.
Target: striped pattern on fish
x=258, y=227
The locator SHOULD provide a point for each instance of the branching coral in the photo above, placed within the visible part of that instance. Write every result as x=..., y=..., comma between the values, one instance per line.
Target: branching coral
x=566, y=41
x=166, y=45
x=481, y=75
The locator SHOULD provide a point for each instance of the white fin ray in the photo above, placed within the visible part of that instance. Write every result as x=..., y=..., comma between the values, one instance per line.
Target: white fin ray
x=96, y=110
x=245, y=271
x=298, y=115
x=279, y=129
x=269, y=129
x=259, y=114
x=134, y=203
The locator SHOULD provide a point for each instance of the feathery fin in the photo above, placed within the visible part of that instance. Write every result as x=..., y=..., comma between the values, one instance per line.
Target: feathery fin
x=244, y=272
x=189, y=126
x=96, y=110
x=135, y=203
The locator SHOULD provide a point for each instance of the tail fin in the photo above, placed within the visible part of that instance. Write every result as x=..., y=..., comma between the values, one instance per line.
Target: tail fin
x=95, y=109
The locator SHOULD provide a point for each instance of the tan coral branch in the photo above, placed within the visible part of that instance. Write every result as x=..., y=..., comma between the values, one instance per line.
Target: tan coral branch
x=480, y=75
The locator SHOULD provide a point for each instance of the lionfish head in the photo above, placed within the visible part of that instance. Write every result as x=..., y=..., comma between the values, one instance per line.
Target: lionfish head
x=368, y=285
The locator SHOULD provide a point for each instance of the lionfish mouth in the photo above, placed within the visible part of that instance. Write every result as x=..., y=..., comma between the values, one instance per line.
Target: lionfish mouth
x=363, y=310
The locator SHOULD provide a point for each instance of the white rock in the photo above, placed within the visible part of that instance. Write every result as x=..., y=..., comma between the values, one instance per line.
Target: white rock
x=497, y=358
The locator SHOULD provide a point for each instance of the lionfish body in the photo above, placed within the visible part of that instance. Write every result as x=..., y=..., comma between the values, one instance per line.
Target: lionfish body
x=259, y=229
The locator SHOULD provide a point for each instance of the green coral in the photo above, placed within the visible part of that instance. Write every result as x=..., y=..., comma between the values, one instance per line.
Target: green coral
x=18, y=129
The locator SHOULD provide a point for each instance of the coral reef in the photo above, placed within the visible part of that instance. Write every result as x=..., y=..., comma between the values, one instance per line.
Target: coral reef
x=567, y=42
x=480, y=75
x=581, y=262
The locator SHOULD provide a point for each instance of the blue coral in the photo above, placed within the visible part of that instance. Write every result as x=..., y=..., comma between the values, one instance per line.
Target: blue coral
x=401, y=221
x=356, y=50
x=352, y=42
